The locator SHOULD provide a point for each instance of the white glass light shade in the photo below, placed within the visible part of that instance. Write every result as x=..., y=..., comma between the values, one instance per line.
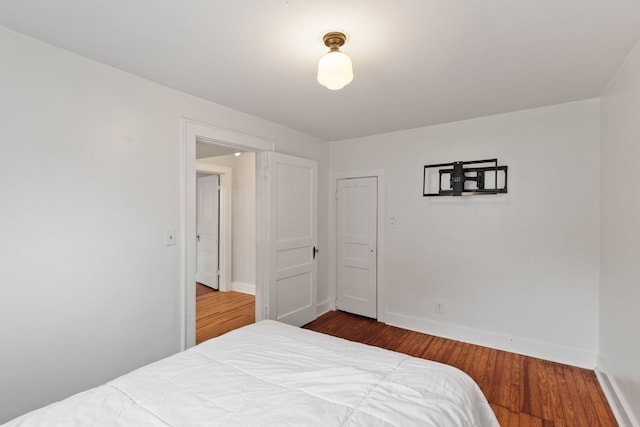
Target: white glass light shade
x=335, y=70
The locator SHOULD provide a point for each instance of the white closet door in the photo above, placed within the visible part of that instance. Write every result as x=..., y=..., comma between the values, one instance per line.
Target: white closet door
x=357, y=241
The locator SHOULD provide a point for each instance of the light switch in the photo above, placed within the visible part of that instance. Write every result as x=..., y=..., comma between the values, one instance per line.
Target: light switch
x=392, y=223
x=170, y=238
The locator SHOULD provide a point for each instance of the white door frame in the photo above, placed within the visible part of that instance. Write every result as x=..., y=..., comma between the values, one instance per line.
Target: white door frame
x=333, y=229
x=226, y=219
x=193, y=131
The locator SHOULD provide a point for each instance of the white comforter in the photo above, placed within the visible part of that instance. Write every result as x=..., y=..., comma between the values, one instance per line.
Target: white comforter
x=270, y=374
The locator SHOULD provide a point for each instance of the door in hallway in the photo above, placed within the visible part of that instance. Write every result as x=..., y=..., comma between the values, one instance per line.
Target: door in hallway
x=207, y=227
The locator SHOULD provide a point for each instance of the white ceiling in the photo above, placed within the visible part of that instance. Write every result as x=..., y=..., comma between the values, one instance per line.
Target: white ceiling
x=416, y=62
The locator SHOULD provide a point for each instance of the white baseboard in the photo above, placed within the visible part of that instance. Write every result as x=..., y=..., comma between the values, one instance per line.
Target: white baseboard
x=617, y=402
x=245, y=288
x=324, y=307
x=528, y=347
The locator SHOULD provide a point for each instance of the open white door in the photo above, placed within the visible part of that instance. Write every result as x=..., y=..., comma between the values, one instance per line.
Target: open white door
x=207, y=231
x=357, y=226
x=292, y=238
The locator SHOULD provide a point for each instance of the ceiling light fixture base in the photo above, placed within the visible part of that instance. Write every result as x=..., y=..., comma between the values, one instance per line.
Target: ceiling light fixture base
x=334, y=40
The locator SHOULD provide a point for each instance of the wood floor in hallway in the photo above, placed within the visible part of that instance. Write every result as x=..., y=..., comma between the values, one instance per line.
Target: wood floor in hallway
x=221, y=312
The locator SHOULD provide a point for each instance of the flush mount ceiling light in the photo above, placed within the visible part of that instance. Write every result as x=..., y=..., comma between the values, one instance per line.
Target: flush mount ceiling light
x=335, y=70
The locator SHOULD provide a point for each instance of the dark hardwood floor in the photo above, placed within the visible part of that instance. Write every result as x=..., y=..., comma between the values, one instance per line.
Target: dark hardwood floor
x=523, y=391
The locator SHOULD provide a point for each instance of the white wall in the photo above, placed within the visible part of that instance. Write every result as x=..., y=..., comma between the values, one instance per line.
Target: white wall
x=89, y=182
x=243, y=240
x=516, y=271
x=620, y=251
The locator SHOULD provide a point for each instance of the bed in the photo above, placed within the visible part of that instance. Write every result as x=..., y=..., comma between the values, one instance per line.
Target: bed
x=272, y=374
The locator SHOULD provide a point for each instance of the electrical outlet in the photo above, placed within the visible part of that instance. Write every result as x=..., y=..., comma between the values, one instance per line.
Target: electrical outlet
x=439, y=307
